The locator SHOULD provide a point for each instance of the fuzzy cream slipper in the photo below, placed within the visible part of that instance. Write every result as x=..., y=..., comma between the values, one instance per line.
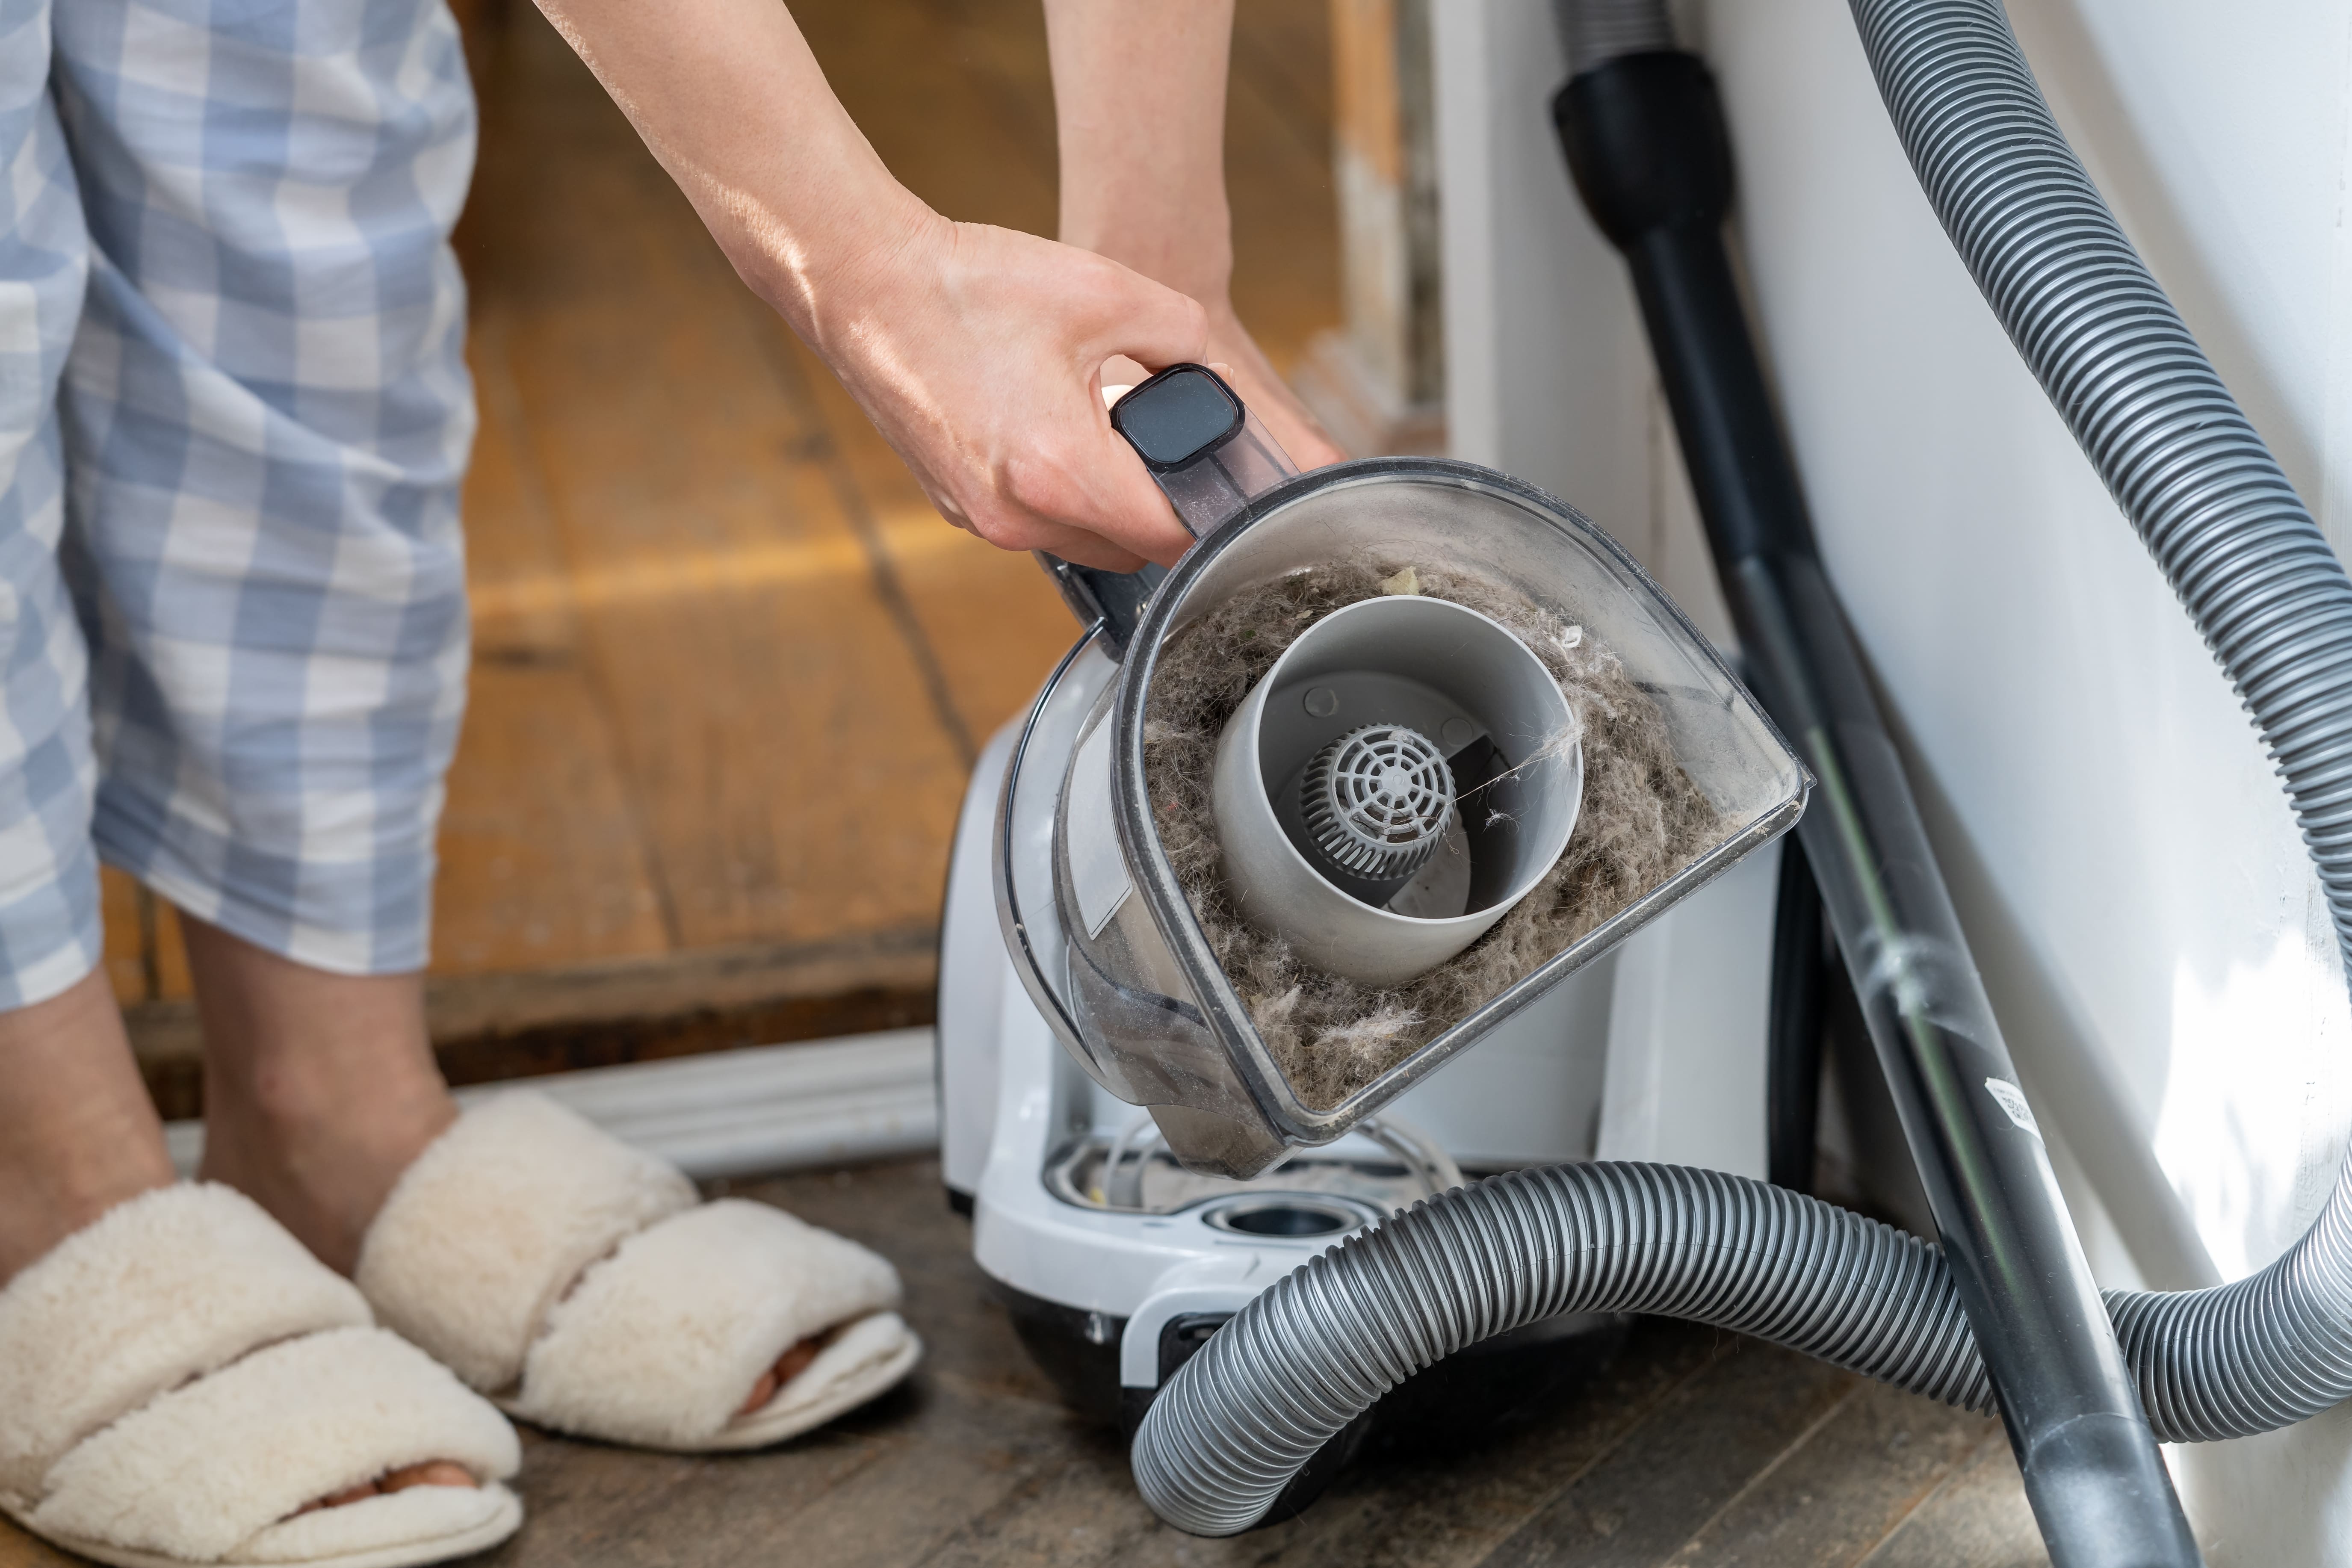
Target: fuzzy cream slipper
x=578, y=1283
x=180, y=1378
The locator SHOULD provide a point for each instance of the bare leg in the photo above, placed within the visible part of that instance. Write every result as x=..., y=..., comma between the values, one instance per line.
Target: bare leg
x=319, y=1088
x=318, y=1091
x=77, y=1133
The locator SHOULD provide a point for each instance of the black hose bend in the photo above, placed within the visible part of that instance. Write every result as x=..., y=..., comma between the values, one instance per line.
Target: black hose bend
x=1322, y=1343
x=2236, y=544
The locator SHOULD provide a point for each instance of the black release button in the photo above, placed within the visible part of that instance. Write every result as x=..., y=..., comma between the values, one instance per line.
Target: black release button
x=1176, y=415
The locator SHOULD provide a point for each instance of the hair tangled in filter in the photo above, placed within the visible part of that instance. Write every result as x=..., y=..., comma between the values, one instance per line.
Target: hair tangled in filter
x=1642, y=820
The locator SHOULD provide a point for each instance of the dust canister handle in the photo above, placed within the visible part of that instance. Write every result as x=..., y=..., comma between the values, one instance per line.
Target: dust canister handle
x=1209, y=456
x=1207, y=453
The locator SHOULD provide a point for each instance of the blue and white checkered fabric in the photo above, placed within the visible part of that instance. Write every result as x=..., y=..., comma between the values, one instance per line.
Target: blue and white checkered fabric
x=234, y=414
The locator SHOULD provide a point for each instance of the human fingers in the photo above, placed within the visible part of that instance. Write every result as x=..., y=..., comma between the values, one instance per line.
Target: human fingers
x=1082, y=548
x=1091, y=492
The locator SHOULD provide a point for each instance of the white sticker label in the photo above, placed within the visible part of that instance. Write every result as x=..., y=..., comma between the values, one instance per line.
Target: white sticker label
x=1097, y=870
x=2011, y=1099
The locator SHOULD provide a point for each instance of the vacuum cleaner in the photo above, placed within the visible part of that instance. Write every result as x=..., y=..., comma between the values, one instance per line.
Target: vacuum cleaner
x=1259, y=1381
x=1138, y=1163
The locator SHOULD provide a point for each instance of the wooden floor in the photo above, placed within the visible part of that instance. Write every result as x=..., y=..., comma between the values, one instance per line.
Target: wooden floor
x=1697, y=1449
x=730, y=669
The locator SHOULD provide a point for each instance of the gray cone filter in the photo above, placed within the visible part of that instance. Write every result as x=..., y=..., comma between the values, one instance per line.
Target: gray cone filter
x=1377, y=802
x=1406, y=773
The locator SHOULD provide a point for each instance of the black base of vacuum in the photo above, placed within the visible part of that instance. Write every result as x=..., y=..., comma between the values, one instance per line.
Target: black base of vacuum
x=1485, y=1392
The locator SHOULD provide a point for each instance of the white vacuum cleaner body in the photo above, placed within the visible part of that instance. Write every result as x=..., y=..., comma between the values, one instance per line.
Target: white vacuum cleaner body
x=1138, y=1163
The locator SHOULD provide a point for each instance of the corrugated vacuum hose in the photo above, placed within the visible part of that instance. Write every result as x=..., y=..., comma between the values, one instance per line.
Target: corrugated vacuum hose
x=2236, y=544
x=2275, y=606
x=1322, y=1343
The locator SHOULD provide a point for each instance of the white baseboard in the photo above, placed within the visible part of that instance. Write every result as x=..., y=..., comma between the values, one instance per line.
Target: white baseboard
x=732, y=1114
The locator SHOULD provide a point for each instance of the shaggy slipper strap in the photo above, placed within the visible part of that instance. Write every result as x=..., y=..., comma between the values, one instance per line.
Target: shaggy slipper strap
x=576, y=1280
x=446, y=1522
x=659, y=1342
x=166, y=1287
x=204, y=1469
x=496, y=1220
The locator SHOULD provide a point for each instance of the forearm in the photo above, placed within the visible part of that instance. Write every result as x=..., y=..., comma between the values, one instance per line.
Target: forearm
x=1140, y=100
x=729, y=98
x=976, y=352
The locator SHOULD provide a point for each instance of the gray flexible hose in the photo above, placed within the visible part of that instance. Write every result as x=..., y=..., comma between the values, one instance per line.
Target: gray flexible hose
x=2275, y=607
x=2235, y=542
x=1325, y=1341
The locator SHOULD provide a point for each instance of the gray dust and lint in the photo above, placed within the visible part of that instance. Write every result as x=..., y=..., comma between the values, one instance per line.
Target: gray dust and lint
x=1642, y=820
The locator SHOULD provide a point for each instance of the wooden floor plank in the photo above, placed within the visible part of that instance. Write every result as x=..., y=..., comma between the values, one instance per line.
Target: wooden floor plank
x=145, y=960
x=953, y=95
x=887, y=1486
x=172, y=981
x=1846, y=1487
x=784, y=749
x=989, y=617
x=957, y=98
x=544, y=857
x=1693, y=1454
x=129, y=959
x=21, y=1549
x=1978, y=1519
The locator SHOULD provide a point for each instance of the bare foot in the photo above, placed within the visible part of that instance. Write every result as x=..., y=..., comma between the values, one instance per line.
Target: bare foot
x=789, y=1366
x=431, y=1473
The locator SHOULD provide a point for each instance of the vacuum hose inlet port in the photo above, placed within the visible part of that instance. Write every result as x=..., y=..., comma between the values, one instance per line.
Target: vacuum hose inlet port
x=1404, y=773
x=1288, y=1216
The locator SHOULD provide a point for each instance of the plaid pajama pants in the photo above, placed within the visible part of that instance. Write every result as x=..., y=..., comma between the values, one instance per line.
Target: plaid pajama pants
x=234, y=414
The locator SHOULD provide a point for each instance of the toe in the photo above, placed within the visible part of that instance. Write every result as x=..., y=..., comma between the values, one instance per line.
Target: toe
x=795, y=1361
x=431, y=1473
x=337, y=1499
x=762, y=1392
x=789, y=1366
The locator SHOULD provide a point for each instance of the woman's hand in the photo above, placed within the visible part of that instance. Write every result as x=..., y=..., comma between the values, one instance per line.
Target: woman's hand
x=978, y=352
x=1234, y=353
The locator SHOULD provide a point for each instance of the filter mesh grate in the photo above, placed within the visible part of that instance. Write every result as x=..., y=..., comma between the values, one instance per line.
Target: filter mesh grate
x=1378, y=801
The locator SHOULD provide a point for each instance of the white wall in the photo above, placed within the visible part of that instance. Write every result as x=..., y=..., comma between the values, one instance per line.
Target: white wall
x=2124, y=863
